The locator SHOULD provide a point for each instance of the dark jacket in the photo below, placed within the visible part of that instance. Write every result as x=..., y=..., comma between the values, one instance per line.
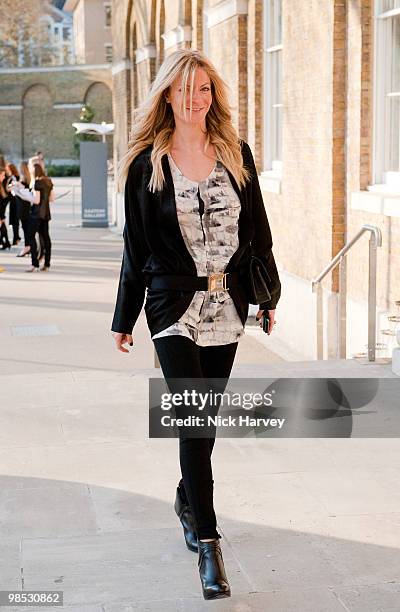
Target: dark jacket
x=153, y=244
x=23, y=207
x=13, y=209
x=4, y=201
x=42, y=210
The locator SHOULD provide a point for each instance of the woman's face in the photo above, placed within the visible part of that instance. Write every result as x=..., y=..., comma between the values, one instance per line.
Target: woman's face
x=2, y=175
x=201, y=100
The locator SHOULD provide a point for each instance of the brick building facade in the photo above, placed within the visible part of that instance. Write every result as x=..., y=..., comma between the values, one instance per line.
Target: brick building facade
x=310, y=100
x=39, y=105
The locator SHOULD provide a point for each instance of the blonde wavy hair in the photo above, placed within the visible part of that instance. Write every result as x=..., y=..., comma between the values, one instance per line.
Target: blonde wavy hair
x=154, y=123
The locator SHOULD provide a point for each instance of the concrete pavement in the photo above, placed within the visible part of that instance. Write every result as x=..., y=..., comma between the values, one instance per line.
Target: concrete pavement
x=86, y=498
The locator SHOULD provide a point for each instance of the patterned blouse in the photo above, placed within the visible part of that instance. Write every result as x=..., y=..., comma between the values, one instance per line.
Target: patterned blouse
x=208, y=213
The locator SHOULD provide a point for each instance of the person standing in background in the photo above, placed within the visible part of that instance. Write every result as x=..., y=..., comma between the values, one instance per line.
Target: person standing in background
x=44, y=185
x=12, y=177
x=40, y=216
x=24, y=208
x=4, y=200
x=39, y=159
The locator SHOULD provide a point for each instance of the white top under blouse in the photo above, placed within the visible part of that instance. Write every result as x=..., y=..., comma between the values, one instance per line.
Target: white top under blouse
x=208, y=214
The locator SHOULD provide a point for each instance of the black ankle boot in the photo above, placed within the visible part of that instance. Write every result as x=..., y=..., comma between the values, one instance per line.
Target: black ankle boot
x=212, y=571
x=186, y=518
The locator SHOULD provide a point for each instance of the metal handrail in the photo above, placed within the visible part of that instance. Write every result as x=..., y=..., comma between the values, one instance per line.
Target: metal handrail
x=375, y=241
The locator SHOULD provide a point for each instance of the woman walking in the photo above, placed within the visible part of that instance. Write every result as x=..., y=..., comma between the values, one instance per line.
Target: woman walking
x=194, y=215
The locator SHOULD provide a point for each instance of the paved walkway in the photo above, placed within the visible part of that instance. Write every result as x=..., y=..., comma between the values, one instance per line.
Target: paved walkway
x=86, y=498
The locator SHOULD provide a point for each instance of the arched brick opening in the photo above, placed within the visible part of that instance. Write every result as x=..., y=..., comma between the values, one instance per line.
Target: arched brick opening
x=99, y=96
x=38, y=118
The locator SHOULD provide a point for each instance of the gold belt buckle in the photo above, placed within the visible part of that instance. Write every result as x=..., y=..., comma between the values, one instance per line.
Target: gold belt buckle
x=217, y=281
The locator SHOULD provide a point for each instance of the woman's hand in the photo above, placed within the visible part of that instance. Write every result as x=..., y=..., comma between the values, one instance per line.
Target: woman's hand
x=121, y=339
x=271, y=314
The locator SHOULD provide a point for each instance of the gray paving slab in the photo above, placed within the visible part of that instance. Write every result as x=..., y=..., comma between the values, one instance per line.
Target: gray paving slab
x=105, y=463
x=256, y=457
x=80, y=608
x=118, y=510
x=277, y=559
x=102, y=421
x=166, y=605
x=362, y=452
x=383, y=597
x=132, y=564
x=297, y=600
x=346, y=368
x=45, y=425
x=373, y=490
x=59, y=507
x=10, y=560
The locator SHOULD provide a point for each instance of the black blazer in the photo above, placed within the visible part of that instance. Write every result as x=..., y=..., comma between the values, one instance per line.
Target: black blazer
x=153, y=244
x=23, y=206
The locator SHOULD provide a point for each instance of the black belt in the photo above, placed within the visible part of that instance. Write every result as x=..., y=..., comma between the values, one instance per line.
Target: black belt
x=214, y=282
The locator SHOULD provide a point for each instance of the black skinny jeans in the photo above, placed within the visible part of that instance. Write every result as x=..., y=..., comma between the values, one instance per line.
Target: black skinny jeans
x=42, y=227
x=16, y=235
x=180, y=357
x=26, y=229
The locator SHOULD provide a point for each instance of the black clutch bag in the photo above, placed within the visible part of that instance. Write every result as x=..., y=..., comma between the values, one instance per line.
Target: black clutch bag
x=258, y=282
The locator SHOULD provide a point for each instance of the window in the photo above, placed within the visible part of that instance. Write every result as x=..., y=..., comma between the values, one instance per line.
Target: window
x=57, y=32
x=108, y=53
x=273, y=85
x=107, y=9
x=387, y=94
x=67, y=33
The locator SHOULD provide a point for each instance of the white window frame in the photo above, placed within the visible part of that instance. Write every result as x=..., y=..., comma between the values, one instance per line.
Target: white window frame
x=384, y=180
x=272, y=165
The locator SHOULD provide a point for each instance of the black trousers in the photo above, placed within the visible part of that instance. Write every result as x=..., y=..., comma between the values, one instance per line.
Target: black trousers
x=14, y=220
x=42, y=227
x=26, y=229
x=4, y=234
x=180, y=357
x=16, y=235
